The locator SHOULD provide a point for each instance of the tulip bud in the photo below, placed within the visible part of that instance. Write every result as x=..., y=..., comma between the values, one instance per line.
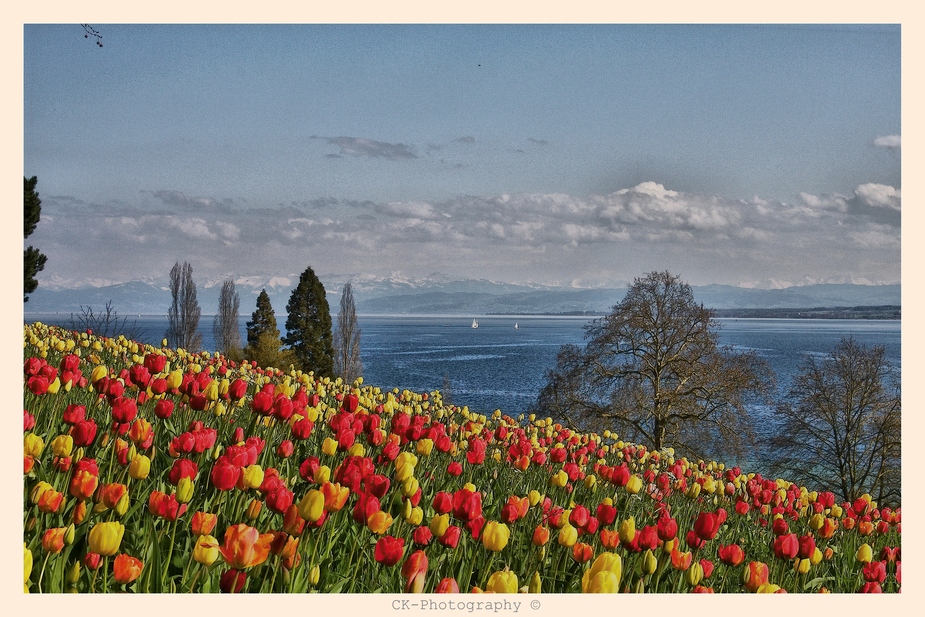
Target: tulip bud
x=72, y=575
x=627, y=530
x=185, y=490
x=649, y=562
x=253, y=509
x=439, y=524
x=69, y=535
x=536, y=585
x=314, y=575
x=694, y=574
x=79, y=512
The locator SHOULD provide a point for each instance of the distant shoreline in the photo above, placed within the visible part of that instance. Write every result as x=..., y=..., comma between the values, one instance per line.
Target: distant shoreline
x=838, y=312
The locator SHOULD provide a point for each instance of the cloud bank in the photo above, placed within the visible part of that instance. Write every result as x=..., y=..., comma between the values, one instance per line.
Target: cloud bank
x=545, y=238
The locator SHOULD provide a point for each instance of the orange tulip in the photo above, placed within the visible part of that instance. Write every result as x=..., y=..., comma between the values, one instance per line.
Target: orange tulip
x=245, y=547
x=414, y=570
x=540, y=535
x=755, y=575
x=610, y=538
x=126, y=569
x=203, y=523
x=53, y=540
x=335, y=496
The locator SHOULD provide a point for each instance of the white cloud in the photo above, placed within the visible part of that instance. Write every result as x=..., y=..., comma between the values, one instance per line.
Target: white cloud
x=888, y=141
x=879, y=196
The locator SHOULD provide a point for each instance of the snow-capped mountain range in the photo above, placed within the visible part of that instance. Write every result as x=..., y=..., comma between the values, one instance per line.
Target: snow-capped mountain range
x=442, y=294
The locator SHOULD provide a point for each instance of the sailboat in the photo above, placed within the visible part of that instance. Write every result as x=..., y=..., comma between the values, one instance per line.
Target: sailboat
x=516, y=327
x=475, y=323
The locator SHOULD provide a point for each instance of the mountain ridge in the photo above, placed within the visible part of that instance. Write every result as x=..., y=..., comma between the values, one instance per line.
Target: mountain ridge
x=440, y=294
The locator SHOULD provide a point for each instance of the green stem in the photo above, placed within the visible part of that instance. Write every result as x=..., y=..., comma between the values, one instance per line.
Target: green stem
x=42, y=573
x=173, y=535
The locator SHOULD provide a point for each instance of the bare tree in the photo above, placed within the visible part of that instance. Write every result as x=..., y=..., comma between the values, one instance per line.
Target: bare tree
x=654, y=371
x=183, y=315
x=105, y=323
x=225, y=327
x=347, y=339
x=842, y=427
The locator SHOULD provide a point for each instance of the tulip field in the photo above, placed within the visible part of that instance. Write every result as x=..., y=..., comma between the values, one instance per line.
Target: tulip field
x=151, y=469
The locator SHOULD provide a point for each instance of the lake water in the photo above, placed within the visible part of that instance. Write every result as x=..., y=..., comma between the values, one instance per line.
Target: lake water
x=496, y=366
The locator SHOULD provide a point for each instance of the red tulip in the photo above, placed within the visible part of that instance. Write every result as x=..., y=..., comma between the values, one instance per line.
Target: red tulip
x=389, y=550
x=707, y=525
x=224, y=474
x=786, y=546
x=731, y=555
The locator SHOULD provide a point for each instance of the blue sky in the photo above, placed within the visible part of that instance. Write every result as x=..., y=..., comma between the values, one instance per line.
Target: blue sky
x=572, y=154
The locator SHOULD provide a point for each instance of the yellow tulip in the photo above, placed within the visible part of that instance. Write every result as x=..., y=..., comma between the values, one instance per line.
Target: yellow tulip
x=105, y=538
x=140, y=467
x=503, y=581
x=379, y=522
x=604, y=574
x=252, y=477
x=312, y=506
x=62, y=445
x=634, y=484
x=628, y=530
x=495, y=536
x=568, y=536
x=206, y=550
x=33, y=445
x=439, y=524
x=27, y=563
x=329, y=446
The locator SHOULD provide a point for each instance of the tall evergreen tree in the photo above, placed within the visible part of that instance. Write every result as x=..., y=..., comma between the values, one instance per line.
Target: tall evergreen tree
x=263, y=341
x=33, y=260
x=225, y=325
x=183, y=315
x=308, y=326
x=347, y=339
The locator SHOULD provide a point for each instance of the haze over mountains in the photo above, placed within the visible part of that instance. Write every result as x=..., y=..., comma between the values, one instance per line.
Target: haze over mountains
x=440, y=294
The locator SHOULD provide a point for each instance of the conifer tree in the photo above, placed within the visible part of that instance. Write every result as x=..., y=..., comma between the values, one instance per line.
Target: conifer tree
x=264, y=345
x=308, y=326
x=33, y=260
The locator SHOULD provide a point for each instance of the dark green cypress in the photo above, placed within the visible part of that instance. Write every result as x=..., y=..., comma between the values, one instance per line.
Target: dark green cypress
x=308, y=326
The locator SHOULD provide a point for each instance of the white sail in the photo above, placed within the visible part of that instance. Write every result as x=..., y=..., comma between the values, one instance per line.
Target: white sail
x=475, y=323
